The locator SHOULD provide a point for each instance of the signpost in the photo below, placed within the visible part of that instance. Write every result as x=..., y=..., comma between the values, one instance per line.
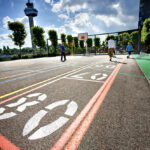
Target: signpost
x=83, y=37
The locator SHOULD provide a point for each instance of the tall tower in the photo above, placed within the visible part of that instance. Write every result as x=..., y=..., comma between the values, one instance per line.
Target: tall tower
x=31, y=12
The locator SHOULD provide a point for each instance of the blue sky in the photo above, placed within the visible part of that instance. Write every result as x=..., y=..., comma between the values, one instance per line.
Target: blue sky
x=70, y=16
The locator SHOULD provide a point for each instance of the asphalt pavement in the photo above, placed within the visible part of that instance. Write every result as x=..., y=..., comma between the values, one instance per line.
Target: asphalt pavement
x=44, y=102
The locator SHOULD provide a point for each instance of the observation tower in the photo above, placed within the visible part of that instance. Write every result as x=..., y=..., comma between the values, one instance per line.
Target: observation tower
x=31, y=12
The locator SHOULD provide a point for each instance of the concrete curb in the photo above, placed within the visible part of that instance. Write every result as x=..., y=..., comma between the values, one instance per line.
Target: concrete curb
x=143, y=72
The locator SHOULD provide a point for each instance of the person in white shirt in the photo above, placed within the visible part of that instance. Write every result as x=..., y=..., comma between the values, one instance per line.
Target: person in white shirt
x=111, y=47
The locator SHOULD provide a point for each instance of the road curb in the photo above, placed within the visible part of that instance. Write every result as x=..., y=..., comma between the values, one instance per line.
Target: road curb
x=143, y=72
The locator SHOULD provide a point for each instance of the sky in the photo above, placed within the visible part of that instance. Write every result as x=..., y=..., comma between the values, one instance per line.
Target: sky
x=70, y=17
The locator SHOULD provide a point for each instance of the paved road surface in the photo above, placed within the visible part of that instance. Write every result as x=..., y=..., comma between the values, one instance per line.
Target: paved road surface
x=86, y=102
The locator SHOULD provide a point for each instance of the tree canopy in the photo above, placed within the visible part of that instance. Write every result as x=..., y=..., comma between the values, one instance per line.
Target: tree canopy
x=19, y=34
x=89, y=42
x=97, y=42
x=53, y=38
x=145, y=38
x=63, y=38
x=76, y=42
x=38, y=37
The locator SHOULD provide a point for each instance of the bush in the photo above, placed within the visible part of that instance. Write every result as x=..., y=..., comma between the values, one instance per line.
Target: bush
x=25, y=57
x=15, y=57
x=5, y=59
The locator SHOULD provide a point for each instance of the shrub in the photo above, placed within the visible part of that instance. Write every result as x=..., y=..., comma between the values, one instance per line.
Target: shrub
x=15, y=57
x=25, y=57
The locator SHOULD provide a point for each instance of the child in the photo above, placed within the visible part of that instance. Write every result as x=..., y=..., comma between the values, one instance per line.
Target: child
x=129, y=49
x=63, y=54
x=111, y=47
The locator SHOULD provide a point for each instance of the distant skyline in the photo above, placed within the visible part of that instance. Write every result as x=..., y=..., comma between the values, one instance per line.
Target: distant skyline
x=70, y=16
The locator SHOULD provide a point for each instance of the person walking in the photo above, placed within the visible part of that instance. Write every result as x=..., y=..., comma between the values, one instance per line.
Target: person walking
x=129, y=49
x=63, y=54
x=111, y=47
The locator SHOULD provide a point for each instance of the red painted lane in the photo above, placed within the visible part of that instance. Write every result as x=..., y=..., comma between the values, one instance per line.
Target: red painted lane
x=76, y=139
x=5, y=144
x=71, y=129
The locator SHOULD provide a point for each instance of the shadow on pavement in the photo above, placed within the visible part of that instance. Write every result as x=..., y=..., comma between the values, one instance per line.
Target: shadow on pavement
x=118, y=62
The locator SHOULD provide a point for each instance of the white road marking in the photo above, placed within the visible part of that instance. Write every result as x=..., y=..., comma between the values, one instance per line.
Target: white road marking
x=33, y=122
x=84, y=80
x=7, y=115
x=33, y=95
x=48, y=129
x=20, y=101
x=42, y=97
x=99, y=66
x=110, y=66
x=79, y=76
x=23, y=107
x=56, y=104
x=94, y=77
x=2, y=110
x=71, y=108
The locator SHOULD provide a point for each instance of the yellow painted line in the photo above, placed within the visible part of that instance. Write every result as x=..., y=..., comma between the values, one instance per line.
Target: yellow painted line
x=22, y=74
x=14, y=75
x=20, y=90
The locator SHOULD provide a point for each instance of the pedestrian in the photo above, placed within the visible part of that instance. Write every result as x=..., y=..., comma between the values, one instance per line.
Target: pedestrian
x=129, y=49
x=63, y=54
x=111, y=47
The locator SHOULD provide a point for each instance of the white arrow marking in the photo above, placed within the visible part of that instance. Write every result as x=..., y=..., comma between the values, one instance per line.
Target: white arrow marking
x=23, y=107
x=20, y=101
x=33, y=95
x=48, y=129
x=56, y=104
x=71, y=108
x=42, y=97
x=79, y=76
x=33, y=122
x=7, y=115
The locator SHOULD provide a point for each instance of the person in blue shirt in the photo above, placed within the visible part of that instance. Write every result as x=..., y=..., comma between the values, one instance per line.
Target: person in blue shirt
x=129, y=49
x=63, y=54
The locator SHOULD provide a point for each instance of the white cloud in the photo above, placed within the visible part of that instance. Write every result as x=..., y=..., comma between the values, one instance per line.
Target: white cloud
x=5, y=21
x=48, y=1
x=63, y=16
x=109, y=20
x=24, y=20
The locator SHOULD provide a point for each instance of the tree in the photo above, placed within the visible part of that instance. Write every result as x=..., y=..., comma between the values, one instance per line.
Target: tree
x=19, y=34
x=1, y=51
x=89, y=42
x=110, y=36
x=145, y=34
x=53, y=38
x=123, y=39
x=134, y=37
x=82, y=44
x=38, y=37
x=70, y=42
x=4, y=50
x=63, y=38
x=97, y=42
x=76, y=42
